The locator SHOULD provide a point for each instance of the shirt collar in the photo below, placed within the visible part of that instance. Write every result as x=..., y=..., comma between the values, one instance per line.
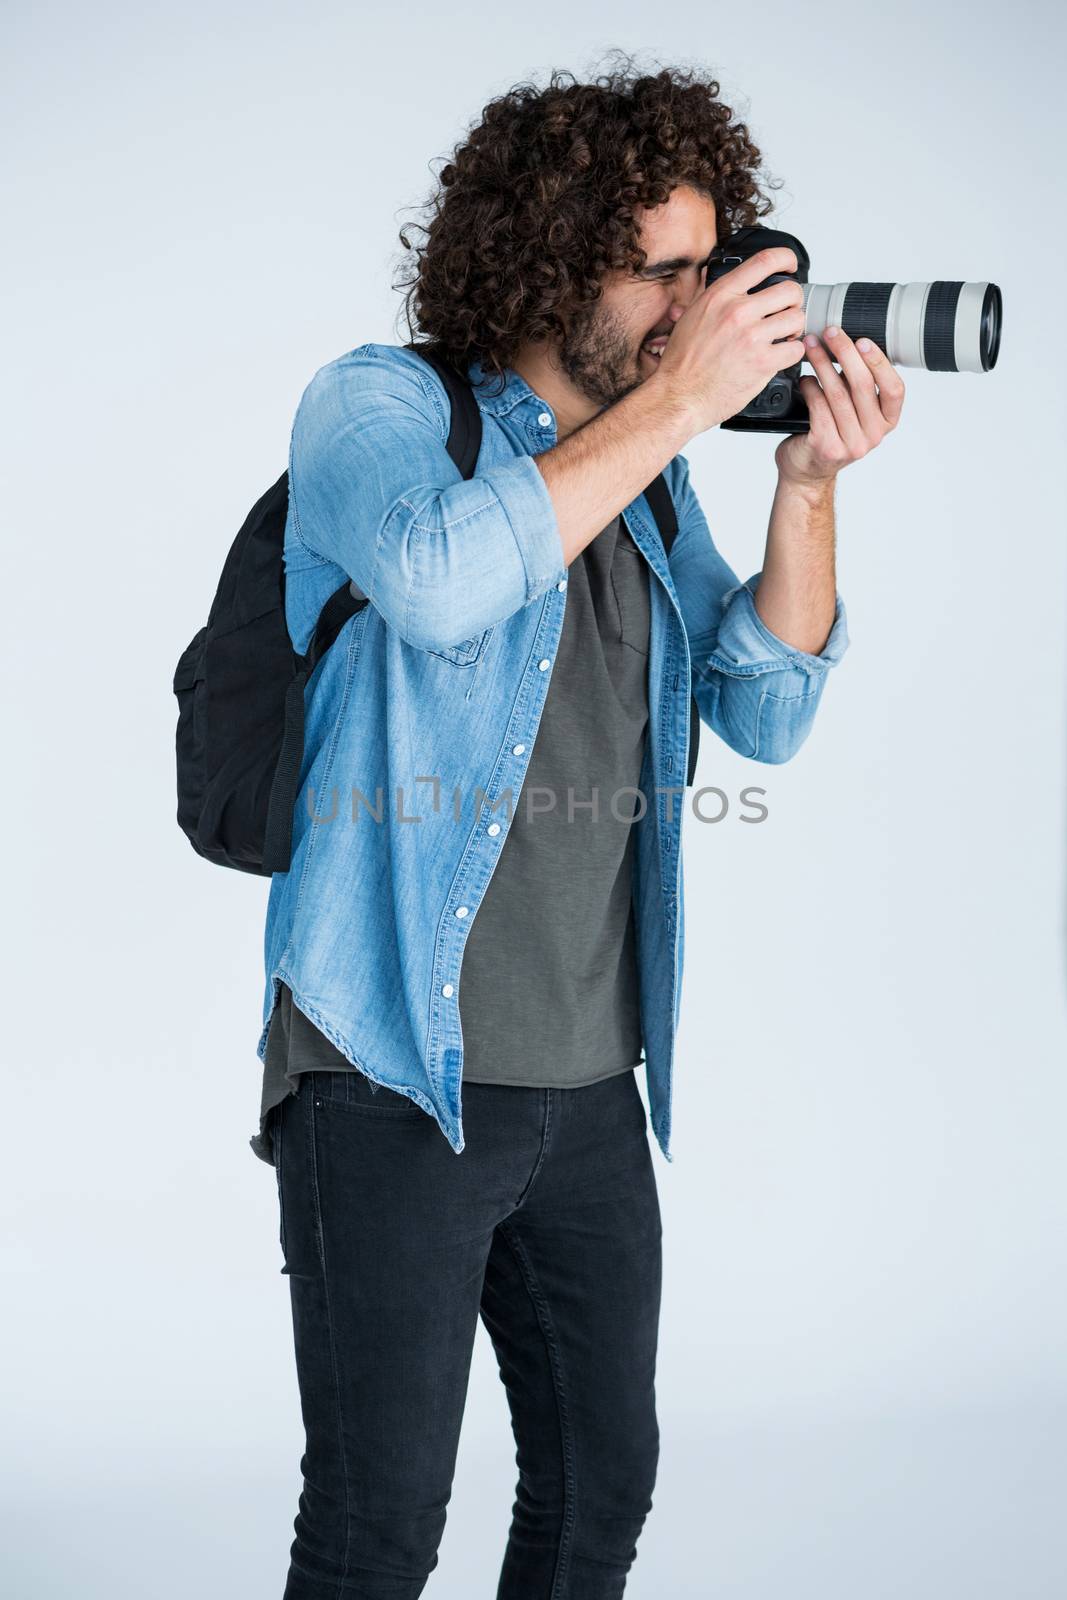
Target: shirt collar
x=499, y=401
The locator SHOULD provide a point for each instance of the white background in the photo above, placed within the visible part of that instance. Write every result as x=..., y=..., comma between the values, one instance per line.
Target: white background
x=862, y=1374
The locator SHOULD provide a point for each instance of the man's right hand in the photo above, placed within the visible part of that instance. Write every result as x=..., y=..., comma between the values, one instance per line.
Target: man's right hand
x=721, y=352
x=718, y=358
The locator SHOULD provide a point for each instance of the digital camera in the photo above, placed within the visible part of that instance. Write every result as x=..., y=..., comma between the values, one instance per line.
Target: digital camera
x=940, y=326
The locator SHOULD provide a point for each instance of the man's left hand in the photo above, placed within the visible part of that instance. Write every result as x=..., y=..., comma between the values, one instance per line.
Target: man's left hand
x=850, y=411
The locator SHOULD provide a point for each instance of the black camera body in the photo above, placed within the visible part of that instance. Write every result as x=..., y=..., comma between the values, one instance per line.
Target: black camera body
x=780, y=406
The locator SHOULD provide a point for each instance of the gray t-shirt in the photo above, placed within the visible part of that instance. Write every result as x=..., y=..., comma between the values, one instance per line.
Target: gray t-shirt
x=548, y=988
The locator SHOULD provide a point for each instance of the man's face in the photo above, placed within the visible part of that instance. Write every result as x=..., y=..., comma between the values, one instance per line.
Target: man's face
x=611, y=347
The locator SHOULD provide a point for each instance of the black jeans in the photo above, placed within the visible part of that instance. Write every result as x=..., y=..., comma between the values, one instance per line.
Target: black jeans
x=547, y=1225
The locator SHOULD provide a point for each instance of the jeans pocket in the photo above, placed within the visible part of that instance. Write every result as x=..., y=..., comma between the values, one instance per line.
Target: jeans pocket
x=353, y=1091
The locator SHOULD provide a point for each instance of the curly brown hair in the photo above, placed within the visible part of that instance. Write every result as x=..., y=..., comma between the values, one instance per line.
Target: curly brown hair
x=539, y=201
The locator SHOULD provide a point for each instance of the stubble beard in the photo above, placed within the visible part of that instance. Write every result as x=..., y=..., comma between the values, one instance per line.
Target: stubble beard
x=598, y=356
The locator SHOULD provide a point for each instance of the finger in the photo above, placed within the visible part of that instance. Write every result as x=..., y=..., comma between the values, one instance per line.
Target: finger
x=840, y=401
x=752, y=272
x=890, y=383
x=860, y=382
x=785, y=295
x=823, y=429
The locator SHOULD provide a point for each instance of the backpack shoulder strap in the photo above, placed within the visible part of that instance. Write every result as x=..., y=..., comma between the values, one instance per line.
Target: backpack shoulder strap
x=662, y=507
x=465, y=433
x=463, y=444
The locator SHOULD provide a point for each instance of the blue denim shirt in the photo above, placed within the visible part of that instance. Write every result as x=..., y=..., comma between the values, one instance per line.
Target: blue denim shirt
x=421, y=717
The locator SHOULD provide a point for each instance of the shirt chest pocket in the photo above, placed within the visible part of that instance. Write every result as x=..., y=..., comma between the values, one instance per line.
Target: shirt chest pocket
x=629, y=583
x=467, y=652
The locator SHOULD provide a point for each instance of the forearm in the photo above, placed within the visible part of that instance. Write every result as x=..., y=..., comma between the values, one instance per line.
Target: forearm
x=596, y=471
x=796, y=594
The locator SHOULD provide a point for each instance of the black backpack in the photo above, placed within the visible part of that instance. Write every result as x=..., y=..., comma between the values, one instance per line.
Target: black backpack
x=240, y=683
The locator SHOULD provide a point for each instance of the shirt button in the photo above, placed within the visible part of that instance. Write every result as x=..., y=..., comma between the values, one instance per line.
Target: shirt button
x=562, y=585
x=448, y=990
x=543, y=666
x=545, y=419
x=461, y=911
x=517, y=749
x=493, y=828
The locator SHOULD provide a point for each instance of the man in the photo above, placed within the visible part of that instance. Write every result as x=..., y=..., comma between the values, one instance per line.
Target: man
x=460, y=986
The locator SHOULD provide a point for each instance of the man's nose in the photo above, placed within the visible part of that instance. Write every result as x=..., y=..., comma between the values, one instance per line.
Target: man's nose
x=684, y=295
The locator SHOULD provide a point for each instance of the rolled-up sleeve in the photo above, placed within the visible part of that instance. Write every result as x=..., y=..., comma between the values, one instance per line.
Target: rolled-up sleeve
x=373, y=488
x=758, y=693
